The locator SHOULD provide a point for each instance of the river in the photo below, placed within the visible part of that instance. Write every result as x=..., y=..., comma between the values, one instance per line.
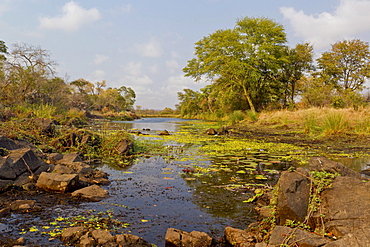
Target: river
x=156, y=192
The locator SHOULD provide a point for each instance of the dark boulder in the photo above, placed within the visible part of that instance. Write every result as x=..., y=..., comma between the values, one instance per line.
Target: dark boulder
x=8, y=144
x=293, y=196
x=164, y=133
x=211, y=131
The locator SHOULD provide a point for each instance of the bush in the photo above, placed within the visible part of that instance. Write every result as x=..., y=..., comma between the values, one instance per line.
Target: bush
x=236, y=116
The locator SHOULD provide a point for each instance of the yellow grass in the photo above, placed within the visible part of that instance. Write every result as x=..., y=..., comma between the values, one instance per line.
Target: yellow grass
x=325, y=121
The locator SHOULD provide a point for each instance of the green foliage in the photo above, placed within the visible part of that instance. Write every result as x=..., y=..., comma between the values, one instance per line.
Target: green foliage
x=347, y=64
x=236, y=116
x=246, y=58
x=253, y=116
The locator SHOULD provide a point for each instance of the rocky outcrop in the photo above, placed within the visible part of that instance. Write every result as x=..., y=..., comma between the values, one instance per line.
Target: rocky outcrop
x=20, y=166
x=92, y=193
x=343, y=212
x=295, y=237
x=80, y=236
x=177, y=238
x=346, y=206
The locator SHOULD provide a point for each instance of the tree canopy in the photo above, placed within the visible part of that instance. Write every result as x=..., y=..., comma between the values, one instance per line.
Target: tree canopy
x=252, y=59
x=347, y=64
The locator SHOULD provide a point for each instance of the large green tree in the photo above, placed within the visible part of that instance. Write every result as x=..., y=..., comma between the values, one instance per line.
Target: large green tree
x=248, y=57
x=346, y=65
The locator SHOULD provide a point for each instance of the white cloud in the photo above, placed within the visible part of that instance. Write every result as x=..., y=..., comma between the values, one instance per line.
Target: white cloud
x=133, y=68
x=150, y=49
x=134, y=81
x=73, y=17
x=172, y=66
x=349, y=19
x=98, y=59
x=179, y=83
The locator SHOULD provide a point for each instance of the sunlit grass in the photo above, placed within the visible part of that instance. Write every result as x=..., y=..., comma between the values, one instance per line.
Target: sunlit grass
x=320, y=121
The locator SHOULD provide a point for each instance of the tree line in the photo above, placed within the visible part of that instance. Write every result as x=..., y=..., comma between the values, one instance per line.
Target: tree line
x=28, y=77
x=251, y=68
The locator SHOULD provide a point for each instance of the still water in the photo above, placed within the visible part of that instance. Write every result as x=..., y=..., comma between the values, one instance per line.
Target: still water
x=157, y=192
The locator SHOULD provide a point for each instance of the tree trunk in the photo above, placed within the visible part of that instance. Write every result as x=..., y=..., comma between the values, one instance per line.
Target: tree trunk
x=249, y=100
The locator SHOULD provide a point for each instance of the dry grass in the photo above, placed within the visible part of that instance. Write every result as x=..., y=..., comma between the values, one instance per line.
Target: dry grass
x=325, y=121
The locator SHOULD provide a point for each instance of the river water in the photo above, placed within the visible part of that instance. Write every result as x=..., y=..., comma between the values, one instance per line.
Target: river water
x=157, y=192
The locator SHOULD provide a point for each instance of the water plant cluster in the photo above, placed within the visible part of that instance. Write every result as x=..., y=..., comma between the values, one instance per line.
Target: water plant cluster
x=91, y=219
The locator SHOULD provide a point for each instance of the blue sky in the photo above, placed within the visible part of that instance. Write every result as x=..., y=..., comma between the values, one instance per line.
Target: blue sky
x=144, y=44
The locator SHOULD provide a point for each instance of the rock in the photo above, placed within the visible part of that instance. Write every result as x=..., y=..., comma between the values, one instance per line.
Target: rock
x=92, y=193
x=102, y=237
x=223, y=131
x=54, y=157
x=87, y=241
x=124, y=147
x=57, y=182
x=72, y=235
x=129, y=240
x=7, y=172
x=211, y=131
x=69, y=158
x=177, y=238
x=324, y=164
x=62, y=169
x=164, y=133
x=8, y=143
x=293, y=196
x=22, y=205
x=21, y=162
x=24, y=160
x=238, y=237
x=46, y=125
x=4, y=212
x=346, y=206
x=295, y=237
x=4, y=183
x=21, y=240
x=358, y=239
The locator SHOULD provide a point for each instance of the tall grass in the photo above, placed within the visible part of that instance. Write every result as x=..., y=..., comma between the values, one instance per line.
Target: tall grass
x=335, y=122
x=320, y=121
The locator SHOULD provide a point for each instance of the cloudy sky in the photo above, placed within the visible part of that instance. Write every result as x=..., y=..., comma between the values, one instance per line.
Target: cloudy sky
x=144, y=44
